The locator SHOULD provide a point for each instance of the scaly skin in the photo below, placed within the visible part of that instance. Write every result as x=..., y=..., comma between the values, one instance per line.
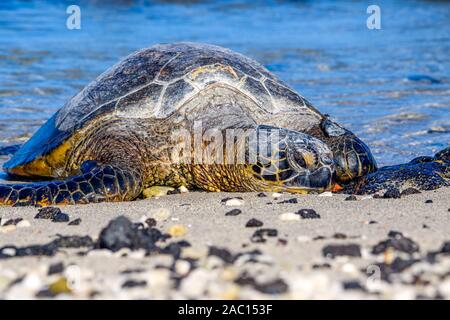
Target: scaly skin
x=103, y=183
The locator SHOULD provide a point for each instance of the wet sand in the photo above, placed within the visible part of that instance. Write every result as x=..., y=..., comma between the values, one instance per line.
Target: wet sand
x=329, y=253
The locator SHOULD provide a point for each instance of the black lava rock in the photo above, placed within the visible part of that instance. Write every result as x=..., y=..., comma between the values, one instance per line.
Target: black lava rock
x=351, y=198
x=12, y=222
x=234, y=212
x=293, y=200
x=410, y=191
x=397, y=266
x=277, y=286
x=393, y=234
x=308, y=214
x=47, y=213
x=349, y=250
x=260, y=234
x=184, y=243
x=352, y=285
x=151, y=222
x=261, y=195
x=45, y=294
x=75, y=222
x=174, y=249
x=134, y=284
x=222, y=253
x=122, y=233
x=52, y=213
x=339, y=236
x=60, y=217
x=445, y=249
x=429, y=201
x=254, y=223
x=392, y=193
x=397, y=242
x=130, y=271
x=55, y=268
x=321, y=266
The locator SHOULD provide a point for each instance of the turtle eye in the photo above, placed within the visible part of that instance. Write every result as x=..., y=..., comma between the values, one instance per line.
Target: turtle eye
x=303, y=160
x=299, y=159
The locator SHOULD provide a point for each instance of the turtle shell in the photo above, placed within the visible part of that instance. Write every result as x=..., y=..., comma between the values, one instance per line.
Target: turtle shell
x=156, y=82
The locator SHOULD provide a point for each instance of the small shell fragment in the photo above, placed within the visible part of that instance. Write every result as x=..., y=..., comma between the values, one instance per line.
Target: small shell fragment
x=178, y=230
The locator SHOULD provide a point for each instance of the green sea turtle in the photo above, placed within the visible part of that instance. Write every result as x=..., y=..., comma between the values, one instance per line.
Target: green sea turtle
x=116, y=137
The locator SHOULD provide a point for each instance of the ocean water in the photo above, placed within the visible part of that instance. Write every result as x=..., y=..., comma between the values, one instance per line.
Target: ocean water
x=390, y=86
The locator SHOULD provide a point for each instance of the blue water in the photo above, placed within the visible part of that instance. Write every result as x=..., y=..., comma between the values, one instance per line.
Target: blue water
x=390, y=86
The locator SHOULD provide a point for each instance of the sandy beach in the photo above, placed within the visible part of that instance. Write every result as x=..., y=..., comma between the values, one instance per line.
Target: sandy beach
x=237, y=246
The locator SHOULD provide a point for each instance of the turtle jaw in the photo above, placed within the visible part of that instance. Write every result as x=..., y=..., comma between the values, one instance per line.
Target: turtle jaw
x=306, y=182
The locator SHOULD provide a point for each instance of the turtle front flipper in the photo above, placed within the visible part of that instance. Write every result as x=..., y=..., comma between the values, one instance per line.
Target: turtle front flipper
x=96, y=183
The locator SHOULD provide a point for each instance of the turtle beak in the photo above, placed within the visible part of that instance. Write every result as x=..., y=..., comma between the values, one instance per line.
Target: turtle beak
x=352, y=157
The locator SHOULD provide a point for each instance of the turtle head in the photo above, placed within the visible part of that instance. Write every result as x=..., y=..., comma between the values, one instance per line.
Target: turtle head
x=352, y=157
x=292, y=161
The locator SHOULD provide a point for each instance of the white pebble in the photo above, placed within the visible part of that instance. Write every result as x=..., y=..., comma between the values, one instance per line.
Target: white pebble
x=196, y=283
x=32, y=282
x=326, y=194
x=303, y=239
x=444, y=288
x=182, y=267
x=289, y=216
x=349, y=268
x=183, y=189
x=234, y=202
x=9, y=251
x=276, y=195
x=24, y=224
